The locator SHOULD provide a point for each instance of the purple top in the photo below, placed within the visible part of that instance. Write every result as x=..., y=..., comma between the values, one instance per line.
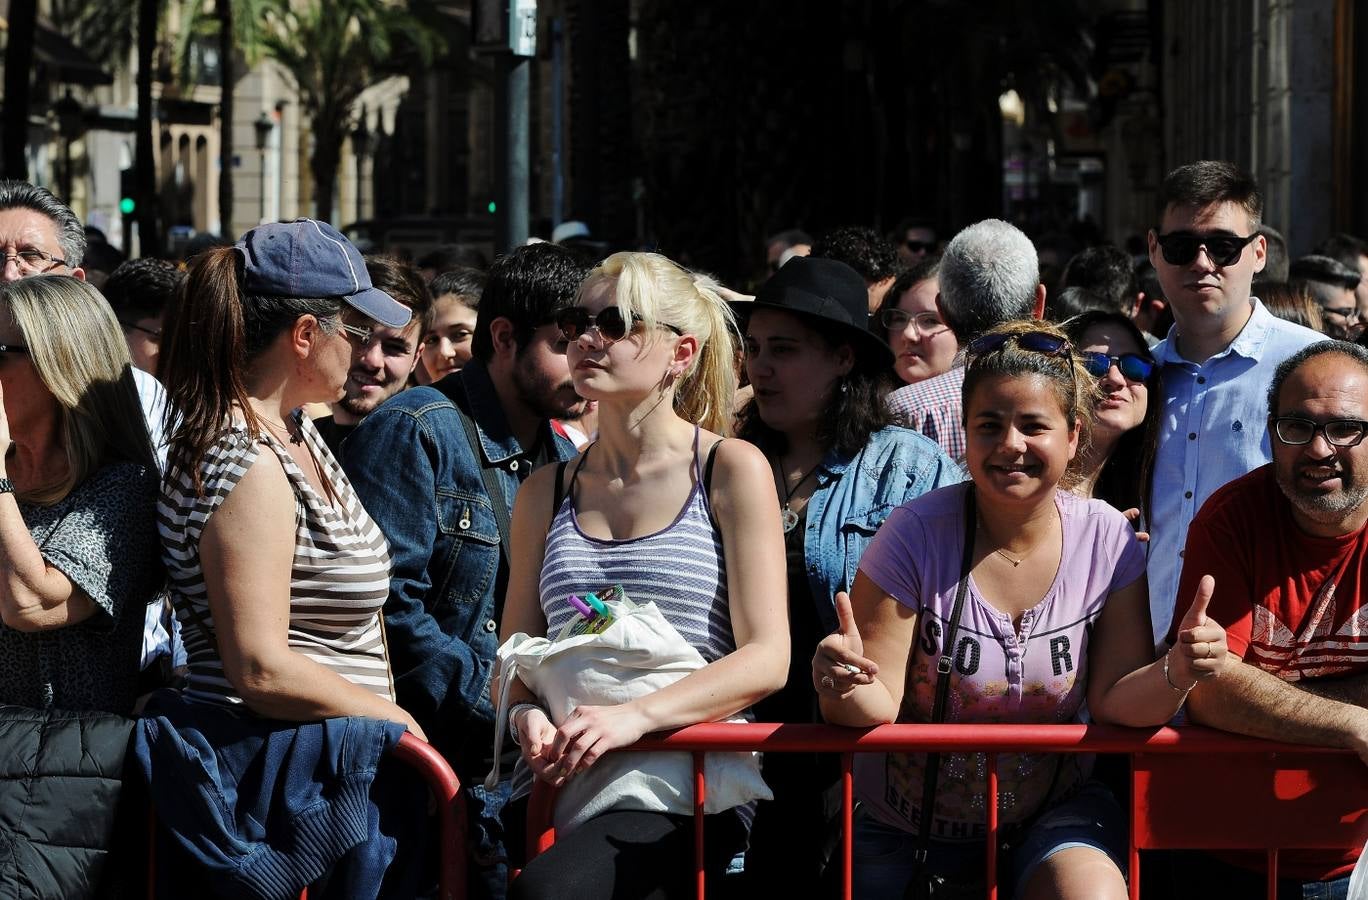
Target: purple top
x=1034, y=673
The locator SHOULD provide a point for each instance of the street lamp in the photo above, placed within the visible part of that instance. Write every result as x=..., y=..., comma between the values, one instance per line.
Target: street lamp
x=361, y=139
x=264, y=126
x=70, y=115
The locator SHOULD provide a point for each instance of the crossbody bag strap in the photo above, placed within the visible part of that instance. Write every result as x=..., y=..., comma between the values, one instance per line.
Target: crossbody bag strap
x=931, y=773
x=491, y=483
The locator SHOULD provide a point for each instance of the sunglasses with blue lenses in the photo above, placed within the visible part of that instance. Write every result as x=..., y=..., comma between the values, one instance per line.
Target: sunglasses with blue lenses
x=1034, y=341
x=1133, y=366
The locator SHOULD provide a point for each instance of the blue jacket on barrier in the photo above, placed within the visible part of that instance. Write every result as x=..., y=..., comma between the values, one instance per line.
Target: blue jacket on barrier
x=266, y=808
x=854, y=494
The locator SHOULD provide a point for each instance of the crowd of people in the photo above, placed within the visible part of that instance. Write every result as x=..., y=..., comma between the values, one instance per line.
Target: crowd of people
x=283, y=502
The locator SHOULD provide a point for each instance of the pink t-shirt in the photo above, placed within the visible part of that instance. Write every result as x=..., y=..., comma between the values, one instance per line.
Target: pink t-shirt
x=1034, y=674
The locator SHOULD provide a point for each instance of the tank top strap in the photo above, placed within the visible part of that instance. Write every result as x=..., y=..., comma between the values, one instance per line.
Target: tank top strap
x=697, y=461
x=574, y=475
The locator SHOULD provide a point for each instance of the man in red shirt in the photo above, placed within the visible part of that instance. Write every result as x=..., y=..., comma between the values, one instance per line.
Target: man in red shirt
x=1288, y=548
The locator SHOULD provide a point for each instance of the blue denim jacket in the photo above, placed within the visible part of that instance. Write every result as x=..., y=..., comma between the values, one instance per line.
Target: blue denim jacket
x=412, y=467
x=854, y=494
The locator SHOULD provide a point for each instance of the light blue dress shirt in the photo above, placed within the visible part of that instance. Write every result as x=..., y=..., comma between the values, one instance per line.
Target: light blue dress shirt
x=1213, y=430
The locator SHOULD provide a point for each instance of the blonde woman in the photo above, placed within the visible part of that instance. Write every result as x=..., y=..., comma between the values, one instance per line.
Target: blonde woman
x=654, y=345
x=79, y=556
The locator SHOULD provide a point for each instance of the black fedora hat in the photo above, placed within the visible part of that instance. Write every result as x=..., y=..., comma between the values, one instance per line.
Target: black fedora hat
x=827, y=293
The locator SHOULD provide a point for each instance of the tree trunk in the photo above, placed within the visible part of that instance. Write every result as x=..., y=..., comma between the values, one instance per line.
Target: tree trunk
x=323, y=165
x=23, y=19
x=146, y=195
x=224, y=10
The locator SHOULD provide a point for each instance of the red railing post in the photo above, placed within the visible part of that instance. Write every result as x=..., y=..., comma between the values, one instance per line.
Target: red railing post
x=991, y=851
x=451, y=819
x=700, y=800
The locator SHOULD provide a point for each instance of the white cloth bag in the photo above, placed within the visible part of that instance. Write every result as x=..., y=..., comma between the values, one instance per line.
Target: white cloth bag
x=638, y=654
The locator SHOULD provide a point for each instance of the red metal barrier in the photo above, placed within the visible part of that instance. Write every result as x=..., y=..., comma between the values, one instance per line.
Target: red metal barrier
x=1273, y=795
x=451, y=818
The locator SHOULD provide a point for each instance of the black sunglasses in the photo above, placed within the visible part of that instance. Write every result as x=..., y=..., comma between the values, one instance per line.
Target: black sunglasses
x=154, y=333
x=1180, y=247
x=574, y=321
x=920, y=246
x=1133, y=366
x=13, y=348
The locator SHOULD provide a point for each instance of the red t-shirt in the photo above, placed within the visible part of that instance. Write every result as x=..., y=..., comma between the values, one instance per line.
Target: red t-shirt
x=1289, y=602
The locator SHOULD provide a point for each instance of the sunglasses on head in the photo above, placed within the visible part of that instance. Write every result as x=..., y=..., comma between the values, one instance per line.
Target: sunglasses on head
x=1133, y=366
x=574, y=321
x=1035, y=341
x=1180, y=247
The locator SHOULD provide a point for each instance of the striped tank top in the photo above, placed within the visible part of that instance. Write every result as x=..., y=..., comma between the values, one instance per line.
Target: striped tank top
x=339, y=579
x=680, y=568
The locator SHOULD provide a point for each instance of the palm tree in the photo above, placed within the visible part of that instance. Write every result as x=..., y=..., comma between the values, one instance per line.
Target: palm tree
x=333, y=50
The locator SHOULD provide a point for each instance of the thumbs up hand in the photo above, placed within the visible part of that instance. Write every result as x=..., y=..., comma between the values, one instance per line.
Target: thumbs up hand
x=839, y=665
x=1201, y=648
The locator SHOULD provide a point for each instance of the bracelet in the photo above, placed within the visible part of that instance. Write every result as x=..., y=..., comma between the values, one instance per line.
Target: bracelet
x=1169, y=678
x=513, y=719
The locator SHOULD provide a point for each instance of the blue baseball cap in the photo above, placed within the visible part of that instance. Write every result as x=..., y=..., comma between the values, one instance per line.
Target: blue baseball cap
x=307, y=258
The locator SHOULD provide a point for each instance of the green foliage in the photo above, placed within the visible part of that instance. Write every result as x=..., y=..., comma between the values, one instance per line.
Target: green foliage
x=334, y=49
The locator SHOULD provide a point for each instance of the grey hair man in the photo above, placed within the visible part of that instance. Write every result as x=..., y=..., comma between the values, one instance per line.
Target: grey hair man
x=989, y=274
x=39, y=234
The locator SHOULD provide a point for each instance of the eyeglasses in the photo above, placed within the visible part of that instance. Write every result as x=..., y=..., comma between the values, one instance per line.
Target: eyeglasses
x=1348, y=313
x=362, y=335
x=13, y=348
x=32, y=260
x=920, y=246
x=154, y=333
x=1133, y=366
x=1180, y=247
x=574, y=321
x=1296, y=431
x=927, y=323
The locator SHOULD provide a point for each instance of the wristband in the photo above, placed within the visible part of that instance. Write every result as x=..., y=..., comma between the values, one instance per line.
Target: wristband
x=513, y=719
x=1169, y=678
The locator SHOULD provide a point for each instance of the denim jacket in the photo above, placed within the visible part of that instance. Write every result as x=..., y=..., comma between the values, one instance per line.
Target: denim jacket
x=854, y=494
x=412, y=467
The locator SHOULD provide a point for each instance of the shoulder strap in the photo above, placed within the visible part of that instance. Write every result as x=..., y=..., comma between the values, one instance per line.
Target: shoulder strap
x=707, y=481
x=491, y=482
x=931, y=774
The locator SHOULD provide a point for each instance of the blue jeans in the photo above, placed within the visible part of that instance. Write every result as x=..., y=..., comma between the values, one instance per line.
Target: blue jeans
x=884, y=864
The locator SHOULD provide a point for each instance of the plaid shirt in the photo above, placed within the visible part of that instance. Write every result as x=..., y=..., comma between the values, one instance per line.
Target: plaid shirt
x=935, y=407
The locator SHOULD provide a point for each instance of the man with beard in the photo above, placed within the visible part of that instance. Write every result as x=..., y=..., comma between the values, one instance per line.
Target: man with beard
x=381, y=364
x=1288, y=548
x=437, y=468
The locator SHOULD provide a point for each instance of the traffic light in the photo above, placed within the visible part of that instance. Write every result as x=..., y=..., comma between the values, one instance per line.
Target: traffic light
x=127, y=205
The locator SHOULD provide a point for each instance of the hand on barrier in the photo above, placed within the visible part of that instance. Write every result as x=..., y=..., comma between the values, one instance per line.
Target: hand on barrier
x=839, y=665
x=590, y=732
x=1201, y=647
x=415, y=729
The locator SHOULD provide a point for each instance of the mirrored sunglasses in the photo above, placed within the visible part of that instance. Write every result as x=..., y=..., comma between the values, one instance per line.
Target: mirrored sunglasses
x=1133, y=366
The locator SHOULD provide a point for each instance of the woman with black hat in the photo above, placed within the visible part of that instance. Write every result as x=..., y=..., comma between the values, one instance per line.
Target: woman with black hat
x=840, y=468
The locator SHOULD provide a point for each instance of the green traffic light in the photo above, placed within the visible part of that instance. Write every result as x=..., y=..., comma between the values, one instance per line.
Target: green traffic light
x=491, y=207
x=126, y=206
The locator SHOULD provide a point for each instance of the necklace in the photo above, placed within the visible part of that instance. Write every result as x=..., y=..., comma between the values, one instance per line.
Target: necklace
x=282, y=428
x=787, y=515
x=1016, y=562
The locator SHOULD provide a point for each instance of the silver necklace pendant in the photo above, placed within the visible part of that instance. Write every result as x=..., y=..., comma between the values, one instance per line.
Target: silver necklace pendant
x=789, y=518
